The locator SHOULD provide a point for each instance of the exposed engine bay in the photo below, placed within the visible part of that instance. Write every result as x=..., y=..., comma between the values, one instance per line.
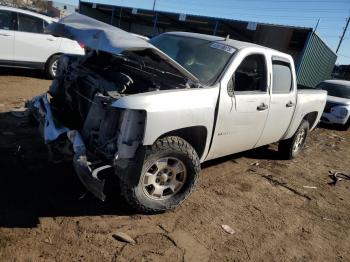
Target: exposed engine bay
x=86, y=86
x=80, y=79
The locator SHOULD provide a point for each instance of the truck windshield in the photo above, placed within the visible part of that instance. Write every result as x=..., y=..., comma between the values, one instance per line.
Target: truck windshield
x=335, y=90
x=204, y=59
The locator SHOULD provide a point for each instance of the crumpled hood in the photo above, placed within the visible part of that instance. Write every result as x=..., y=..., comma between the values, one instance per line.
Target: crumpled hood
x=97, y=35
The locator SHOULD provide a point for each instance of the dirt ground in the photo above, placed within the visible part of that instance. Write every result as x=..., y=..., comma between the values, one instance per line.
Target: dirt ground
x=274, y=216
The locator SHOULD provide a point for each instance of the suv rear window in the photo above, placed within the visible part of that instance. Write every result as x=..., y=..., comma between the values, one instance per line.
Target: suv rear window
x=30, y=24
x=6, y=20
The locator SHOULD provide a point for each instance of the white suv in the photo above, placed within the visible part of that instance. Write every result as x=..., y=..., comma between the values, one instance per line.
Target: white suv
x=23, y=42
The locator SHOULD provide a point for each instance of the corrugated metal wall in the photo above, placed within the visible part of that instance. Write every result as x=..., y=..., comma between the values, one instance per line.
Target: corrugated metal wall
x=317, y=62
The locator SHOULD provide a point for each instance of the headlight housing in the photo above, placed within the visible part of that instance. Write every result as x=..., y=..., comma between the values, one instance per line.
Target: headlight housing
x=339, y=111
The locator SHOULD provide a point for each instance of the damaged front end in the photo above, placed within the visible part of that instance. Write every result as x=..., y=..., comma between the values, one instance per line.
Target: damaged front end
x=78, y=120
x=91, y=158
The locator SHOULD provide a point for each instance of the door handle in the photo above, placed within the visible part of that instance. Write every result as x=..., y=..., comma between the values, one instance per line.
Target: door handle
x=50, y=39
x=290, y=104
x=262, y=107
x=4, y=34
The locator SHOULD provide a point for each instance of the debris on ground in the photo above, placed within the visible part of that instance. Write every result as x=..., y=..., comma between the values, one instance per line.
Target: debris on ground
x=19, y=112
x=228, y=229
x=48, y=240
x=311, y=187
x=337, y=176
x=274, y=181
x=120, y=236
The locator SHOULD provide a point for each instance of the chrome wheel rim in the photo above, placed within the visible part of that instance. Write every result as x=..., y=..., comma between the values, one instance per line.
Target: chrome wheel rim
x=54, y=67
x=164, y=178
x=299, y=140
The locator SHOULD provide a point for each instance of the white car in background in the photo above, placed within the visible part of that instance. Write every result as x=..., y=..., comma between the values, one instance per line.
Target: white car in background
x=337, y=109
x=23, y=42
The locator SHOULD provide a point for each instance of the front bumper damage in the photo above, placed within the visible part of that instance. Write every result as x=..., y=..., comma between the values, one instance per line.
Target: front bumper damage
x=51, y=130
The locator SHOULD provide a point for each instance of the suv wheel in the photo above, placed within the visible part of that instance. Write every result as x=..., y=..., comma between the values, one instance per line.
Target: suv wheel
x=291, y=147
x=346, y=126
x=51, y=66
x=169, y=174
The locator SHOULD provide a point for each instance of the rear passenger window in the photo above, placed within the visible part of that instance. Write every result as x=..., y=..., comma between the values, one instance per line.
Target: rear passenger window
x=6, y=20
x=30, y=24
x=282, y=77
x=251, y=74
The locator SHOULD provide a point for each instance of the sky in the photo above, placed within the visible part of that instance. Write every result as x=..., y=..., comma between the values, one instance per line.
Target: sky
x=305, y=13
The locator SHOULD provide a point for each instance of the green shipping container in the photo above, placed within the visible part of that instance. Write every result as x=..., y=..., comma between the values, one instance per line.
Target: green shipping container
x=316, y=63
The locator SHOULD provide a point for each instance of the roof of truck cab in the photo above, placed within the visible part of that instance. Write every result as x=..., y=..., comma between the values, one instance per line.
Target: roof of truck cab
x=231, y=42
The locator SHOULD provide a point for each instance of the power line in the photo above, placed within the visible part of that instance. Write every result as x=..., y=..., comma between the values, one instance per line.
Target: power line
x=296, y=1
x=198, y=9
x=342, y=36
x=255, y=7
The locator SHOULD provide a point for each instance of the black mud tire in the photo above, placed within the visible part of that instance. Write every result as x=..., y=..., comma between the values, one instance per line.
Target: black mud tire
x=171, y=146
x=286, y=147
x=49, y=68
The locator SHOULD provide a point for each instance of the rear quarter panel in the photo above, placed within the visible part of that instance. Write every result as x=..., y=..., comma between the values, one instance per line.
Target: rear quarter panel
x=71, y=47
x=307, y=101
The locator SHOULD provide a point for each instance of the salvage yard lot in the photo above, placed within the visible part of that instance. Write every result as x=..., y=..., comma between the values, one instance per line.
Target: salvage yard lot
x=279, y=210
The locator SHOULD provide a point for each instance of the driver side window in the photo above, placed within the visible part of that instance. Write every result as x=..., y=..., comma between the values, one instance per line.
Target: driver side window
x=250, y=76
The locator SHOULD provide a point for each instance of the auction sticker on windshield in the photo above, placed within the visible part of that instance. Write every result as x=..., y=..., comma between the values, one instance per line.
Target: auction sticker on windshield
x=226, y=48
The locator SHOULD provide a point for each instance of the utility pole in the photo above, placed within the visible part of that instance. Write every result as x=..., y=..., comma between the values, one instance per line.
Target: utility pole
x=342, y=36
x=154, y=5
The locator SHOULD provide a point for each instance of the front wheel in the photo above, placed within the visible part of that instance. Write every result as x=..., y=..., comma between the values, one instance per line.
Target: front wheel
x=169, y=174
x=291, y=147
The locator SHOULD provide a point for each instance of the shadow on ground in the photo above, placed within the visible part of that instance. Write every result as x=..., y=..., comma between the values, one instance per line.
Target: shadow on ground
x=11, y=71
x=31, y=187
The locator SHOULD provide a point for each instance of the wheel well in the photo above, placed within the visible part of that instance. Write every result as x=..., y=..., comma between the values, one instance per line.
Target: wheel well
x=311, y=118
x=47, y=61
x=196, y=136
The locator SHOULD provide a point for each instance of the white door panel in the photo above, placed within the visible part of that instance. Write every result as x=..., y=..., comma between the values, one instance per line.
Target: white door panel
x=242, y=113
x=7, y=26
x=280, y=115
x=31, y=44
x=33, y=47
x=6, y=44
x=238, y=129
x=283, y=102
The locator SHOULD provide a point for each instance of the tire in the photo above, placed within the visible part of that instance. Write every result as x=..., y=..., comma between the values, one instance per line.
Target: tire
x=291, y=147
x=346, y=126
x=162, y=161
x=51, y=66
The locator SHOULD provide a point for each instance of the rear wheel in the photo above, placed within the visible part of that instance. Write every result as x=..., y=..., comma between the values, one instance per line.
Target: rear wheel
x=291, y=147
x=51, y=66
x=169, y=174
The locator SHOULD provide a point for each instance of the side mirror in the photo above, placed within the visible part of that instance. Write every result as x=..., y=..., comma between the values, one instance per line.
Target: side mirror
x=230, y=86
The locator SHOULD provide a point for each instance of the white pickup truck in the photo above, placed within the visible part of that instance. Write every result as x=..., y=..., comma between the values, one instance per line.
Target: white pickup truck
x=154, y=111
